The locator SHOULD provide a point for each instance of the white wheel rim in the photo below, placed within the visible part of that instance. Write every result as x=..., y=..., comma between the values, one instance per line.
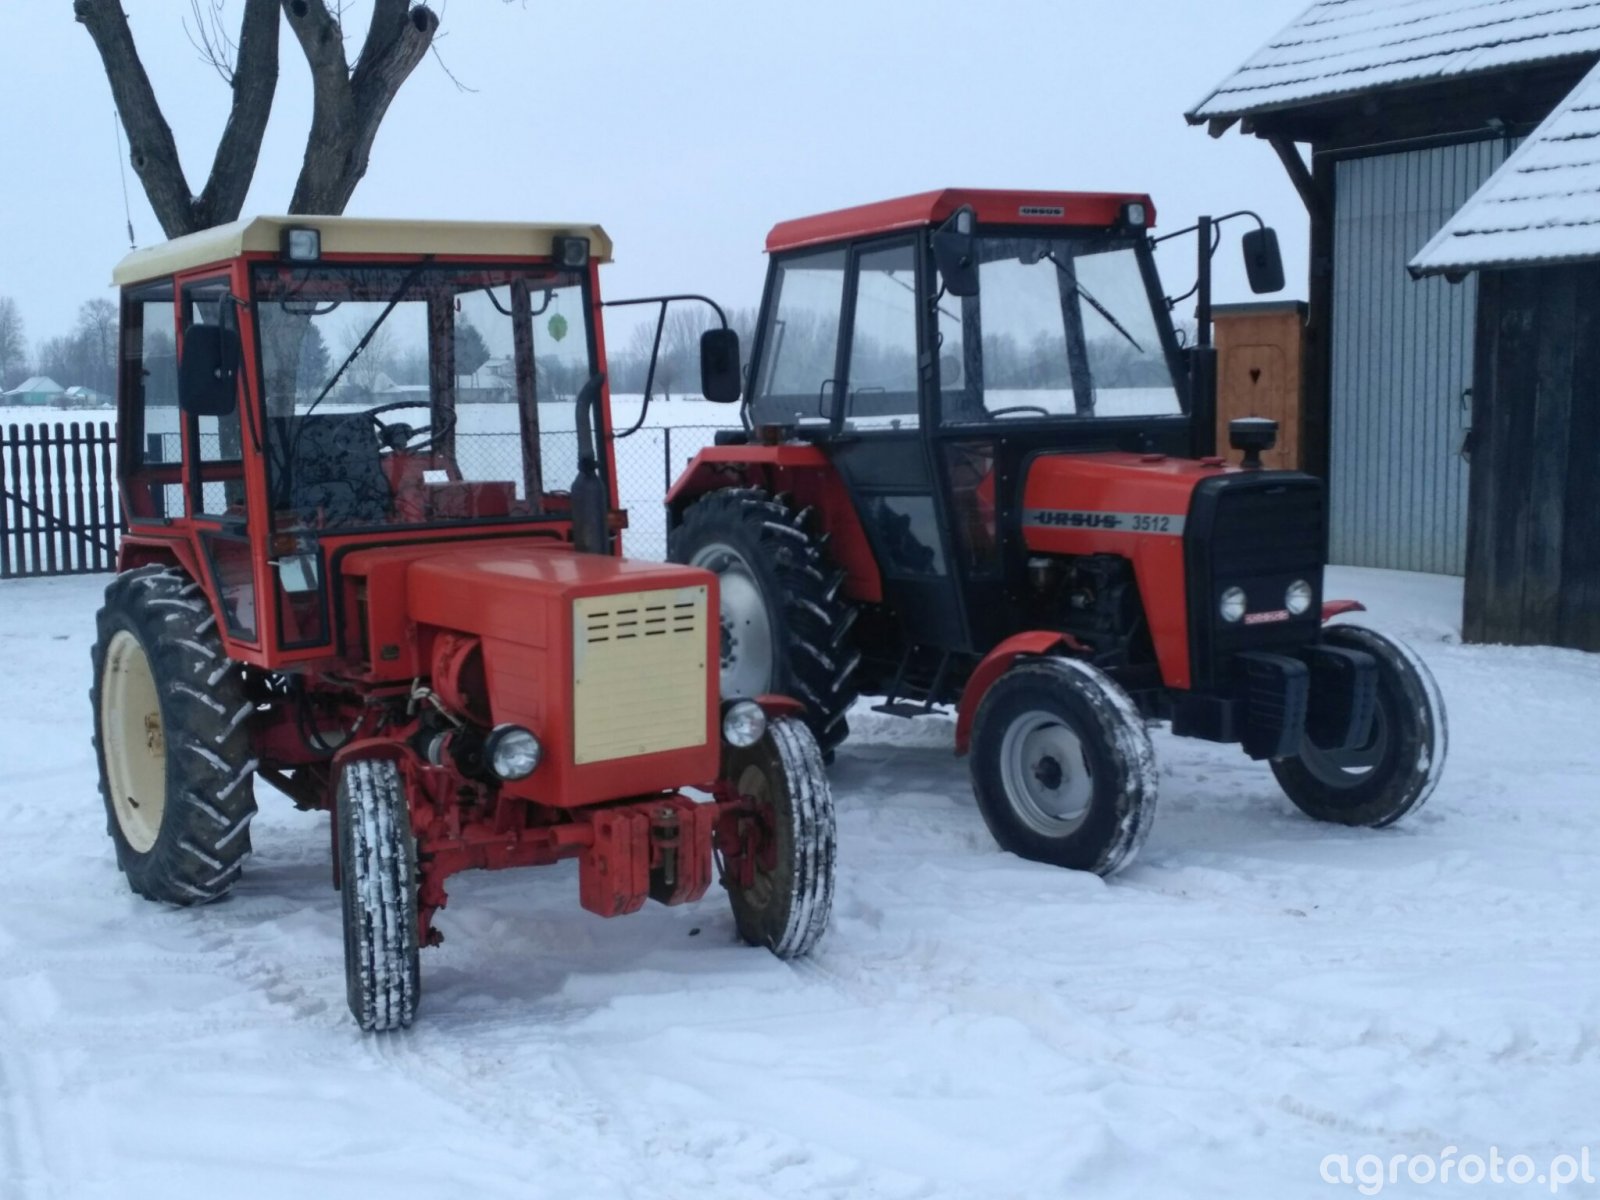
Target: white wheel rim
x=133, y=741
x=747, y=654
x=1046, y=774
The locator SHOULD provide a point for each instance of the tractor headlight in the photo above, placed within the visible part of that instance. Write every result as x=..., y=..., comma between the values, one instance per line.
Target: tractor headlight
x=1233, y=606
x=570, y=252
x=302, y=244
x=512, y=751
x=744, y=724
x=1298, y=598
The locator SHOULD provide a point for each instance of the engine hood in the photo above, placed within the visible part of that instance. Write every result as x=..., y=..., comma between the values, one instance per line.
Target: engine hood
x=1108, y=493
x=509, y=593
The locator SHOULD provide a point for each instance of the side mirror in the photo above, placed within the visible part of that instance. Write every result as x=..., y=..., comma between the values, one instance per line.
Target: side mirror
x=721, y=380
x=955, y=252
x=1263, y=262
x=208, y=374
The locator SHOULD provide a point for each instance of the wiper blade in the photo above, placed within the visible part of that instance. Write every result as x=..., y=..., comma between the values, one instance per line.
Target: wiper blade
x=394, y=300
x=1098, y=307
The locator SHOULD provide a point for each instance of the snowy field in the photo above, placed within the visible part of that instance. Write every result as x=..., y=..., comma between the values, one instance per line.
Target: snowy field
x=1256, y=993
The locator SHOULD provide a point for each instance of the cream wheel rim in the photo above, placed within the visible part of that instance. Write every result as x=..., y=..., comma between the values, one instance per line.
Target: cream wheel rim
x=134, y=741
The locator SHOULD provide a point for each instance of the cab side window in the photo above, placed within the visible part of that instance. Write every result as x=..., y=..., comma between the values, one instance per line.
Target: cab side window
x=153, y=442
x=800, y=340
x=883, y=344
x=219, y=457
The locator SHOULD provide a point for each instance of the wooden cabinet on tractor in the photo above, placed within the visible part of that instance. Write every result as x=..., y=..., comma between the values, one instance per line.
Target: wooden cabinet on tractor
x=1260, y=349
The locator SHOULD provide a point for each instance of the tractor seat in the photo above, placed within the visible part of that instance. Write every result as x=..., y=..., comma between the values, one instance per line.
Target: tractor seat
x=335, y=468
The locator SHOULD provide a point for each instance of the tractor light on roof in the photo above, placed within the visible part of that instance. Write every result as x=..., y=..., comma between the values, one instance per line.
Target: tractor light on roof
x=512, y=752
x=302, y=244
x=1298, y=598
x=1234, y=605
x=570, y=252
x=1135, y=215
x=744, y=724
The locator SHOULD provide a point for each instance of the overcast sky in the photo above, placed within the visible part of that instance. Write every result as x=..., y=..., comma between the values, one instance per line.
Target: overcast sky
x=686, y=129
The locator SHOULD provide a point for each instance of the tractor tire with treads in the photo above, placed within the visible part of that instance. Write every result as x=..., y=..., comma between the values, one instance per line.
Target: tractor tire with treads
x=786, y=909
x=378, y=894
x=785, y=629
x=1395, y=772
x=1062, y=766
x=171, y=738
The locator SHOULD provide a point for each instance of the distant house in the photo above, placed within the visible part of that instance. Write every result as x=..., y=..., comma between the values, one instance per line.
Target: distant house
x=83, y=397
x=1458, y=425
x=39, y=390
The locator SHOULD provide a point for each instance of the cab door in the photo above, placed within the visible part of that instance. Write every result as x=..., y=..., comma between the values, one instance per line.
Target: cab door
x=880, y=448
x=214, y=447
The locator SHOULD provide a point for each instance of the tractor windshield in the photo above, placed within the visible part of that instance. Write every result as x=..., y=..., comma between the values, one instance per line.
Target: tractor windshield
x=419, y=394
x=1069, y=327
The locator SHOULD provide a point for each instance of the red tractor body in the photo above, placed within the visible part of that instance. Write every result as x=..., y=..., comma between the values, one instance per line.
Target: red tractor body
x=978, y=470
x=355, y=569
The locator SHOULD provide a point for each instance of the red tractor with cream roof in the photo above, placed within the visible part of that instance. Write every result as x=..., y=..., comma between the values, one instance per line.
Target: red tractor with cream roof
x=355, y=570
x=978, y=470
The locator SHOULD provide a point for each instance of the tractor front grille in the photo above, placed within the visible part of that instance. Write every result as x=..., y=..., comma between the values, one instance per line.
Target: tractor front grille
x=1259, y=532
x=639, y=673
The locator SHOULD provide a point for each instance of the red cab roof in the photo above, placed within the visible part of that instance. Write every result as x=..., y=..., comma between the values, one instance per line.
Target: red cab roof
x=932, y=208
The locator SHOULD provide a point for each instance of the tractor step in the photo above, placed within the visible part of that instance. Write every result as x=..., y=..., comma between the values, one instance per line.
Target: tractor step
x=905, y=708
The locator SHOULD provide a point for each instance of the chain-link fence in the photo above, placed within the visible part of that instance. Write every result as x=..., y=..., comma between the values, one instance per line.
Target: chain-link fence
x=647, y=464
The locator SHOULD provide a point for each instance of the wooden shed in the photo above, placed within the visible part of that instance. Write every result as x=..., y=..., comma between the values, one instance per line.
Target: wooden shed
x=1390, y=116
x=1532, y=236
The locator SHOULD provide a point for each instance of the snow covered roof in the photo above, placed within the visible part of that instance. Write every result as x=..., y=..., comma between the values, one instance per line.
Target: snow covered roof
x=1342, y=47
x=34, y=385
x=1541, y=206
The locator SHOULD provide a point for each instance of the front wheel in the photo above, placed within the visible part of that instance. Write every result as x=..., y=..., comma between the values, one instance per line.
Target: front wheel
x=378, y=891
x=1398, y=766
x=1062, y=767
x=788, y=900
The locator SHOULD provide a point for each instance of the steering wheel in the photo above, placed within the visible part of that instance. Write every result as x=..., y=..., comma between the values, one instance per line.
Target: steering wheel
x=1020, y=408
x=400, y=436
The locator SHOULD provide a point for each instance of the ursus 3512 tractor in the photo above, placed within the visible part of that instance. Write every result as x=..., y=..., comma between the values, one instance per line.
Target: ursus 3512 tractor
x=347, y=573
x=978, y=469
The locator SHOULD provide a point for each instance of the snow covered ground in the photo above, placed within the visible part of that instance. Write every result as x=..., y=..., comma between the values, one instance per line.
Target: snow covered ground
x=1256, y=993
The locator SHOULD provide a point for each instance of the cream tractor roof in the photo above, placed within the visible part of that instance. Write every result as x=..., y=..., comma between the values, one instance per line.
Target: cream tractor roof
x=353, y=235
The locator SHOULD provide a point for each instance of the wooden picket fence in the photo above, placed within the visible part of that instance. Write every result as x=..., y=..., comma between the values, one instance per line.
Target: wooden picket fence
x=59, y=511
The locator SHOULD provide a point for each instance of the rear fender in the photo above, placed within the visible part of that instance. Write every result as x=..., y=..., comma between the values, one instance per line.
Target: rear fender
x=803, y=472
x=135, y=551
x=996, y=663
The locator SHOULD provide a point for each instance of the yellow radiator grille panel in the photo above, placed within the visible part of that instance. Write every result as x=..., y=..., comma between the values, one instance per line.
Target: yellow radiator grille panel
x=638, y=673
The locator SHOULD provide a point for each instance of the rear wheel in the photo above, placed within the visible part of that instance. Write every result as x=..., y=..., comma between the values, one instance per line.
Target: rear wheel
x=171, y=739
x=1062, y=767
x=1395, y=770
x=378, y=891
x=784, y=628
x=789, y=900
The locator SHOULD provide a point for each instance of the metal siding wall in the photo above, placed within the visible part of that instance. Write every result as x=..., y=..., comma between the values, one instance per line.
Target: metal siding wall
x=1402, y=359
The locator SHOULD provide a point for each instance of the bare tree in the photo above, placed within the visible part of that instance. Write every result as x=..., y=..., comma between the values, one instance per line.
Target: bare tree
x=13, y=342
x=96, y=335
x=349, y=101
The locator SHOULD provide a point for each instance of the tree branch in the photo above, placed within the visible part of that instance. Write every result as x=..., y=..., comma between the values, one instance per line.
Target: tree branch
x=349, y=106
x=255, y=80
x=151, y=146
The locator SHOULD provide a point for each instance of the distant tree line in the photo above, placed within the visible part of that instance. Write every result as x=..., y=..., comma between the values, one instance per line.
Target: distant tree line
x=297, y=359
x=83, y=356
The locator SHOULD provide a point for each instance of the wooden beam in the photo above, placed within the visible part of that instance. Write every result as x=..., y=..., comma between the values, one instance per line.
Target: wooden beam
x=1300, y=175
